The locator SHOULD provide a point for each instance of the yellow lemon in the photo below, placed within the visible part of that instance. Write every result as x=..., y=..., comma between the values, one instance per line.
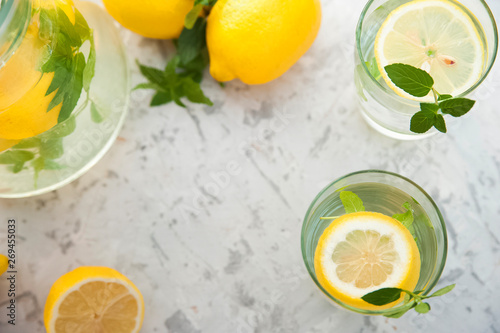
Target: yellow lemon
x=94, y=300
x=259, y=40
x=437, y=36
x=162, y=19
x=4, y=264
x=362, y=252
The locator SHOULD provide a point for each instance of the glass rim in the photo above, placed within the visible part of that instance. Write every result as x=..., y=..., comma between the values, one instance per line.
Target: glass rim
x=359, y=52
x=430, y=285
x=16, y=15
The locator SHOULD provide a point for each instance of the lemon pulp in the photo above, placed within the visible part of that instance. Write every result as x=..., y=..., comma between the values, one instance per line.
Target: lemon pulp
x=437, y=36
x=362, y=252
x=94, y=300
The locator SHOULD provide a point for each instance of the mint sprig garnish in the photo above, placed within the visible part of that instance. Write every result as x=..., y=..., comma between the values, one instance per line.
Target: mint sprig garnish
x=72, y=72
x=183, y=73
x=419, y=83
x=414, y=300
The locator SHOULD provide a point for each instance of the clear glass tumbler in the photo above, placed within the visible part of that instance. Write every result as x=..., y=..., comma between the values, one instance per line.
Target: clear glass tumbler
x=382, y=192
x=64, y=89
x=383, y=109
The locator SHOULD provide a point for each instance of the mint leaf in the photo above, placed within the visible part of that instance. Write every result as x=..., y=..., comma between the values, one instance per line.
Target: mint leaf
x=193, y=92
x=192, y=16
x=74, y=89
x=443, y=291
x=429, y=107
x=423, y=308
x=195, y=68
x=68, y=29
x=154, y=75
x=51, y=148
x=440, y=124
x=406, y=218
x=192, y=41
x=383, y=296
x=89, y=71
x=60, y=130
x=414, y=81
x=81, y=26
x=38, y=165
x=422, y=121
x=16, y=156
x=46, y=27
x=16, y=168
x=352, y=203
x=160, y=98
x=456, y=107
x=95, y=114
x=444, y=97
x=373, y=68
x=28, y=143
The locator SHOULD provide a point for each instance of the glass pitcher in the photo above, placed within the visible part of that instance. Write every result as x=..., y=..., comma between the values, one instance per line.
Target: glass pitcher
x=64, y=87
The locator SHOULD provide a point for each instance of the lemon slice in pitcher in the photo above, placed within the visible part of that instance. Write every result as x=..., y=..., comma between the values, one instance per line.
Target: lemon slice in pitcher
x=437, y=36
x=362, y=252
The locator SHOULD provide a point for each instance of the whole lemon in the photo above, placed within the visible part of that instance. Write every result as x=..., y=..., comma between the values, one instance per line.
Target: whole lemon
x=161, y=19
x=259, y=40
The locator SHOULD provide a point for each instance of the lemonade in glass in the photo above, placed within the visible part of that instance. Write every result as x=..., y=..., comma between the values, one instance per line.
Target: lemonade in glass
x=455, y=42
x=63, y=92
x=395, y=238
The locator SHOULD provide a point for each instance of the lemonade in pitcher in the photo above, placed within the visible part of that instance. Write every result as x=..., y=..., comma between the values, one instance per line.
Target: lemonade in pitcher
x=453, y=44
x=63, y=92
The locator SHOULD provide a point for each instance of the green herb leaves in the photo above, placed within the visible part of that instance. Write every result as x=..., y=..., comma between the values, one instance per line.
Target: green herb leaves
x=41, y=151
x=414, y=81
x=72, y=73
x=406, y=218
x=171, y=85
x=183, y=73
x=456, y=107
x=383, y=296
x=414, y=299
x=352, y=203
x=419, y=83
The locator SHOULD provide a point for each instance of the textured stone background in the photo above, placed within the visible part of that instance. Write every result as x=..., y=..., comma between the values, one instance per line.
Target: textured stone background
x=226, y=257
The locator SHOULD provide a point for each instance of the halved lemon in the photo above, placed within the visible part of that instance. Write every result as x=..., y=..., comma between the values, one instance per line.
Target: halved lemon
x=437, y=36
x=94, y=300
x=362, y=252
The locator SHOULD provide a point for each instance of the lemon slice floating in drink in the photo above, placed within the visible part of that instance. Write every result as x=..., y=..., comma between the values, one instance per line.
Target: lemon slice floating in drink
x=94, y=300
x=362, y=252
x=437, y=36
